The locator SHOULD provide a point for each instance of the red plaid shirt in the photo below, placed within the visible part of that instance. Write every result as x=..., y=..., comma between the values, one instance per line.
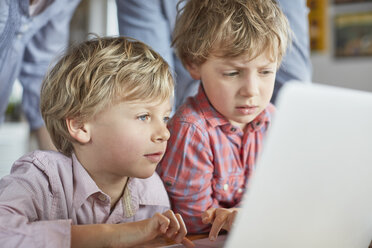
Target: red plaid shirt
x=208, y=160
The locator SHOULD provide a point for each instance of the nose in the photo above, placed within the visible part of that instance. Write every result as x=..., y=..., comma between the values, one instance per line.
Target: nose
x=161, y=133
x=249, y=86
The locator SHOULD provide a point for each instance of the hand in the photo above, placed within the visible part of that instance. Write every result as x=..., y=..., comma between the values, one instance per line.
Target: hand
x=132, y=233
x=171, y=225
x=220, y=218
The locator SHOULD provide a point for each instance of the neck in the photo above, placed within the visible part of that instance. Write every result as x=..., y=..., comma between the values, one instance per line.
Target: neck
x=110, y=183
x=114, y=189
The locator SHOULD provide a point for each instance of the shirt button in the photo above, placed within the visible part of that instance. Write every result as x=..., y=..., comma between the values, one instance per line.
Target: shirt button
x=225, y=187
x=168, y=183
x=19, y=36
x=240, y=190
x=102, y=198
x=233, y=129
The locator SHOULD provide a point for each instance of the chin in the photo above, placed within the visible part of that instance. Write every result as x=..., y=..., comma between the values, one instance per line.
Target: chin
x=248, y=119
x=144, y=177
x=243, y=121
x=145, y=174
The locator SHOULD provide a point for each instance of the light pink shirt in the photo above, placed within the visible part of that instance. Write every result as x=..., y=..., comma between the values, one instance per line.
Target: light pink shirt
x=48, y=192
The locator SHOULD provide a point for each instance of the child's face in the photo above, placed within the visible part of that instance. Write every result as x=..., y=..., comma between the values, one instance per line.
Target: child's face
x=129, y=139
x=237, y=88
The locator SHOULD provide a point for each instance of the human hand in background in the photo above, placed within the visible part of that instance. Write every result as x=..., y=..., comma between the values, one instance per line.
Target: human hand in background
x=220, y=218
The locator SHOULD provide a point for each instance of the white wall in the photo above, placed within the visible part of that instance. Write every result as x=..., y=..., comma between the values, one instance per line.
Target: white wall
x=13, y=144
x=355, y=73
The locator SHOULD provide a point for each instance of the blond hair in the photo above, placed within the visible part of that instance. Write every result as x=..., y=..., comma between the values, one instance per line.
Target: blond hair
x=96, y=74
x=229, y=28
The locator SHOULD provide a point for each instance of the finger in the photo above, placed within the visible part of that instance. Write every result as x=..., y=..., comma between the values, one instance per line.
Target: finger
x=217, y=225
x=188, y=243
x=174, y=226
x=208, y=215
x=162, y=221
x=182, y=230
x=230, y=220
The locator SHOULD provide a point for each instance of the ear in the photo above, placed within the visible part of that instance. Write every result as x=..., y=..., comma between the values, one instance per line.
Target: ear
x=193, y=70
x=79, y=131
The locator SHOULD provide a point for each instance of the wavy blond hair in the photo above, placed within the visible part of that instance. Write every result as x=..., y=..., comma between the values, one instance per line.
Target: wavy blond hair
x=229, y=28
x=96, y=74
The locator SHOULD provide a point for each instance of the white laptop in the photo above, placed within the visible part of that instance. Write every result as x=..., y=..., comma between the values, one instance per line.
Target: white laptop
x=313, y=182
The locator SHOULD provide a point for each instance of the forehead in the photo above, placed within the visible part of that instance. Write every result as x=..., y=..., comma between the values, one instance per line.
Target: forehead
x=231, y=50
x=156, y=104
x=264, y=58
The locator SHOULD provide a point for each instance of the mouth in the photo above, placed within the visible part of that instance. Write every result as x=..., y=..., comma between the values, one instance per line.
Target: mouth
x=154, y=157
x=246, y=110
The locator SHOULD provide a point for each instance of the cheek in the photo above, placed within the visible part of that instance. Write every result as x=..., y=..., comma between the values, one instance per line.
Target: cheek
x=218, y=90
x=122, y=139
x=219, y=97
x=130, y=140
x=267, y=88
x=127, y=150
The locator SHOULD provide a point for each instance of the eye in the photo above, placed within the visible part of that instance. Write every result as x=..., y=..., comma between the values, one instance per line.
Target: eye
x=231, y=73
x=144, y=117
x=266, y=72
x=166, y=119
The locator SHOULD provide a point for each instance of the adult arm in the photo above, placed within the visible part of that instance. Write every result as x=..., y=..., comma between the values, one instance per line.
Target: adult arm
x=296, y=64
x=152, y=22
x=148, y=21
x=40, y=52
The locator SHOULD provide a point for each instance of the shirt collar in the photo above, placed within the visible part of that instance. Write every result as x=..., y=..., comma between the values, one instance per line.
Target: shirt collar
x=211, y=115
x=138, y=192
x=130, y=199
x=214, y=118
x=85, y=186
x=149, y=191
x=262, y=120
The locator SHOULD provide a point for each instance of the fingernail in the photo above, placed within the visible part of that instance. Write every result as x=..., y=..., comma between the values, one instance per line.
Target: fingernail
x=213, y=238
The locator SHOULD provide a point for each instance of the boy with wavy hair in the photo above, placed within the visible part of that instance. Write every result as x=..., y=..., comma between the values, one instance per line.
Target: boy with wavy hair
x=234, y=48
x=105, y=104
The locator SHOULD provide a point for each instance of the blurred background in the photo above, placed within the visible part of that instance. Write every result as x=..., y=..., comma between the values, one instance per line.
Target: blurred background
x=341, y=55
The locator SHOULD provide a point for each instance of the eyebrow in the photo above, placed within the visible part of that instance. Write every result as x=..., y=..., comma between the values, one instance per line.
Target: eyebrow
x=150, y=107
x=241, y=65
x=268, y=64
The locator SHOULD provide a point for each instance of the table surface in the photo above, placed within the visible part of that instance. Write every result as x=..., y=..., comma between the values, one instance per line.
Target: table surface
x=163, y=241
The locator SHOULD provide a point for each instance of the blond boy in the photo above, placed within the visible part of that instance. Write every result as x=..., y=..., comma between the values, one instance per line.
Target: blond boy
x=234, y=48
x=105, y=104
